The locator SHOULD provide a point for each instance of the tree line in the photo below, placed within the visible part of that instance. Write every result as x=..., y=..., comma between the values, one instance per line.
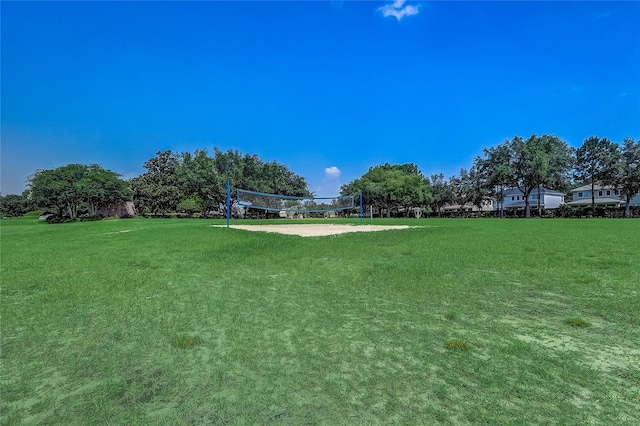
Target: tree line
x=526, y=164
x=196, y=182
x=186, y=182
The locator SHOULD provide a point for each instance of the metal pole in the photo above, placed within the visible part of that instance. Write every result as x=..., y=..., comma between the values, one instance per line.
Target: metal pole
x=228, y=201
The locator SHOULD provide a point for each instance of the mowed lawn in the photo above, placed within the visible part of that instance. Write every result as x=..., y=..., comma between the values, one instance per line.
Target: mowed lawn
x=177, y=322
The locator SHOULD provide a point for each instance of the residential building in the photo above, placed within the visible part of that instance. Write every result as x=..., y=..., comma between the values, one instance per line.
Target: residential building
x=604, y=196
x=546, y=198
x=468, y=207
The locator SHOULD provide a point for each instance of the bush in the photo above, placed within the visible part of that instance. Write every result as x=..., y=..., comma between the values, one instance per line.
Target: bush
x=59, y=219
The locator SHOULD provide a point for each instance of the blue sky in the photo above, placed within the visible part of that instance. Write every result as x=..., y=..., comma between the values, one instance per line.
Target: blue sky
x=327, y=88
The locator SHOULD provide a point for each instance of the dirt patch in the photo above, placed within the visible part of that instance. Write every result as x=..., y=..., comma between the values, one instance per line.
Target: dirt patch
x=315, y=230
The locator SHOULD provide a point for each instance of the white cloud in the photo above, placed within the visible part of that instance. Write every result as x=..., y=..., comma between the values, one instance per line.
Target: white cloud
x=330, y=185
x=398, y=10
x=332, y=173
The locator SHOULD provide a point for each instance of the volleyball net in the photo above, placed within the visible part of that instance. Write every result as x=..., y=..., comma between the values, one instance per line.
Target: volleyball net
x=288, y=204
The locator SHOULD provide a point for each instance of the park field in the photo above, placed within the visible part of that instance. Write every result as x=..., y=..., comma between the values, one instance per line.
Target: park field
x=454, y=321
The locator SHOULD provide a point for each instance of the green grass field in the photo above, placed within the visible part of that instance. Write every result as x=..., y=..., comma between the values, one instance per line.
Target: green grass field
x=176, y=322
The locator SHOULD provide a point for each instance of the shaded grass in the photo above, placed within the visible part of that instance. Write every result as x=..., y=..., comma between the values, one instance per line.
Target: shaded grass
x=337, y=330
x=577, y=322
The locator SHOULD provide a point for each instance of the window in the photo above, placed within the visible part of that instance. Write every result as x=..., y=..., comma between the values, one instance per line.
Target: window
x=599, y=193
x=608, y=192
x=579, y=194
x=615, y=192
x=513, y=198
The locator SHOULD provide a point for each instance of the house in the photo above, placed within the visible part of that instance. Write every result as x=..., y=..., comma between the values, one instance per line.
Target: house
x=468, y=207
x=604, y=196
x=514, y=199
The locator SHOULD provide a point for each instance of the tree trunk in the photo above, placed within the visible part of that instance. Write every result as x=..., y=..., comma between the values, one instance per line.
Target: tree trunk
x=627, y=208
x=539, y=209
x=72, y=209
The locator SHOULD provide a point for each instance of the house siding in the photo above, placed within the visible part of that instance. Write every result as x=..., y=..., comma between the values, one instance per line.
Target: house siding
x=603, y=195
x=514, y=198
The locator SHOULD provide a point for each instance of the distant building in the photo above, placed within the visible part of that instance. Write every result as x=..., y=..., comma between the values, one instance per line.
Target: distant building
x=604, y=196
x=515, y=199
x=468, y=207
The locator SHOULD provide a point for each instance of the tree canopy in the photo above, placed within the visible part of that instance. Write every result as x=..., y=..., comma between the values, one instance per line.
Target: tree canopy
x=628, y=171
x=67, y=188
x=198, y=182
x=596, y=163
x=391, y=186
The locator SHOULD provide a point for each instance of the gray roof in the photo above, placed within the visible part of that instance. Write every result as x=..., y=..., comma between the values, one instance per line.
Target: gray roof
x=596, y=187
x=543, y=190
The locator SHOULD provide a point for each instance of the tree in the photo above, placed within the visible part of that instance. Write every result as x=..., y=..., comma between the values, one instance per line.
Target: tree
x=391, y=186
x=441, y=192
x=555, y=160
x=596, y=163
x=58, y=188
x=157, y=188
x=70, y=187
x=250, y=173
x=172, y=179
x=100, y=188
x=191, y=205
x=537, y=161
x=13, y=205
x=197, y=177
x=475, y=184
x=628, y=171
x=496, y=168
x=458, y=190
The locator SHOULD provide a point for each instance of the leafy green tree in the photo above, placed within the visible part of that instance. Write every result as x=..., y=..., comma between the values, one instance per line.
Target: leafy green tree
x=250, y=173
x=628, y=171
x=596, y=163
x=197, y=177
x=441, y=192
x=458, y=189
x=13, y=205
x=100, y=188
x=475, y=184
x=70, y=187
x=58, y=188
x=554, y=160
x=157, y=189
x=171, y=179
x=391, y=186
x=191, y=205
x=536, y=161
x=469, y=187
x=496, y=169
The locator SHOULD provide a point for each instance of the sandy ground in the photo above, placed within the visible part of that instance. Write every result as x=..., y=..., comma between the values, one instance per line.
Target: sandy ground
x=316, y=230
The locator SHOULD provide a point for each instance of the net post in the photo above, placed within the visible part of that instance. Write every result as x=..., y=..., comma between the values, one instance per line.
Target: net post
x=228, y=201
x=360, y=207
